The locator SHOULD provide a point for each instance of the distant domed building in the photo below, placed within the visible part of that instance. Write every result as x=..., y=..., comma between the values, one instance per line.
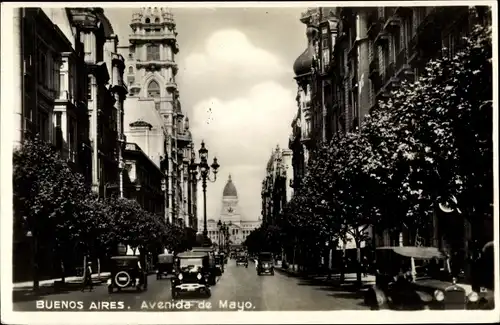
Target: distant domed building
x=230, y=214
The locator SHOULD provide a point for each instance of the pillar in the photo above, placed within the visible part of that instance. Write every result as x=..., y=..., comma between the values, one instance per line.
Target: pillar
x=16, y=79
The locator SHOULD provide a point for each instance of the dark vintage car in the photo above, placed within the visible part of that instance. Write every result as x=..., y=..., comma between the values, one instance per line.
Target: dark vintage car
x=165, y=265
x=192, y=274
x=127, y=272
x=219, y=263
x=415, y=278
x=214, y=272
x=242, y=259
x=265, y=263
x=483, y=278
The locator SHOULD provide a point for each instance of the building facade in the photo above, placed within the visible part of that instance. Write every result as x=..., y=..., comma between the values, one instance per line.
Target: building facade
x=354, y=57
x=106, y=93
x=277, y=185
x=69, y=93
x=230, y=215
x=150, y=70
x=145, y=179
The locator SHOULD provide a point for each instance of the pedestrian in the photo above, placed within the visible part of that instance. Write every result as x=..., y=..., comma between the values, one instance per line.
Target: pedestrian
x=365, y=266
x=87, y=281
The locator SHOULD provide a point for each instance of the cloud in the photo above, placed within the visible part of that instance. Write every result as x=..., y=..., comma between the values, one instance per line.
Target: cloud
x=230, y=52
x=242, y=132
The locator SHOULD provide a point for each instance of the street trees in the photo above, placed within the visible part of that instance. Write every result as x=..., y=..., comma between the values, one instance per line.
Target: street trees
x=46, y=199
x=428, y=146
x=57, y=210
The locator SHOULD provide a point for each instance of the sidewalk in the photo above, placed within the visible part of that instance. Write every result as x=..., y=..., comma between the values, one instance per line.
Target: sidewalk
x=334, y=280
x=68, y=280
x=350, y=279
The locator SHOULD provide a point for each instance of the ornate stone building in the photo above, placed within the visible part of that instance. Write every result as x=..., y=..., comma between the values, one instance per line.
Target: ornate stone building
x=154, y=119
x=354, y=57
x=230, y=214
x=69, y=90
x=277, y=185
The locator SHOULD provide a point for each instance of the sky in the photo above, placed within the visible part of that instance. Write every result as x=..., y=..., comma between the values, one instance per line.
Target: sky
x=236, y=86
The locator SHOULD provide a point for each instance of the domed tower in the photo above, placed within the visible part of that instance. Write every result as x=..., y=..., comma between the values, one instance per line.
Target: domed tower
x=154, y=98
x=230, y=210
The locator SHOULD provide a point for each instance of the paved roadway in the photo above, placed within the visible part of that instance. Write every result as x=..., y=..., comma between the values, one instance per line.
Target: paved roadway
x=239, y=288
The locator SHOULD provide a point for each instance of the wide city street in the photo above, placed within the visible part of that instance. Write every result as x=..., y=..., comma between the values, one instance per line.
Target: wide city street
x=239, y=288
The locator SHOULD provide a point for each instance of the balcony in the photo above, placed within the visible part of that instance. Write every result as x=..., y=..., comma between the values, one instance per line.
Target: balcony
x=382, y=38
x=184, y=138
x=171, y=85
x=153, y=36
x=156, y=64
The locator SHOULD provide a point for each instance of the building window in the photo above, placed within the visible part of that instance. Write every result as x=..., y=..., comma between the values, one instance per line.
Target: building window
x=42, y=69
x=148, y=20
x=89, y=88
x=131, y=80
x=157, y=20
x=154, y=89
x=153, y=53
x=43, y=124
x=130, y=70
x=58, y=130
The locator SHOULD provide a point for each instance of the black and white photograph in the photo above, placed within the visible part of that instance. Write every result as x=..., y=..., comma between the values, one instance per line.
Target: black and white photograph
x=191, y=162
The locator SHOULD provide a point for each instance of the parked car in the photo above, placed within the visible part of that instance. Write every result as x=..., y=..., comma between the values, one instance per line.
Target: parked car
x=415, y=278
x=192, y=274
x=165, y=265
x=126, y=272
x=265, y=263
x=219, y=263
x=214, y=272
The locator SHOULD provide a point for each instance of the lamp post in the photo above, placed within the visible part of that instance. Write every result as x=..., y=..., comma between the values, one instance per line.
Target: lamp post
x=204, y=169
x=219, y=227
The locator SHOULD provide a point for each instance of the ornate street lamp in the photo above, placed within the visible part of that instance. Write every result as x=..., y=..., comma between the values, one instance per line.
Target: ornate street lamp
x=204, y=170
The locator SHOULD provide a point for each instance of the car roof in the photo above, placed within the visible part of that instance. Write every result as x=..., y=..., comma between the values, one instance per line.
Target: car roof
x=418, y=252
x=191, y=255
x=125, y=257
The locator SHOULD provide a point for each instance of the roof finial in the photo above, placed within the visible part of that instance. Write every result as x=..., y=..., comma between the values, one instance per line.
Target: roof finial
x=229, y=179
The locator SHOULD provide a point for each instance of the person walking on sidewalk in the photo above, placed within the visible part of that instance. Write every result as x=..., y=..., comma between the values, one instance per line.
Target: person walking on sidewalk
x=87, y=281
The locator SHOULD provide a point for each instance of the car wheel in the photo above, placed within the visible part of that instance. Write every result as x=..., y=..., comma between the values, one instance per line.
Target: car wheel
x=258, y=273
x=272, y=272
x=110, y=289
x=208, y=292
x=213, y=280
x=175, y=294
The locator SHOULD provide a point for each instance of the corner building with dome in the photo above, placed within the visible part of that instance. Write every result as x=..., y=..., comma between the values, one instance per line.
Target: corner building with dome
x=153, y=117
x=230, y=214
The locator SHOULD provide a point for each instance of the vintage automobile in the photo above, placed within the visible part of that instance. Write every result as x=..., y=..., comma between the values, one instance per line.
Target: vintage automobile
x=415, y=278
x=165, y=265
x=219, y=263
x=265, y=263
x=214, y=272
x=126, y=272
x=192, y=274
x=484, y=279
x=242, y=259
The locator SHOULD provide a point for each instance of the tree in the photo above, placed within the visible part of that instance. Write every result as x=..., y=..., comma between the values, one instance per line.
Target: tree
x=433, y=139
x=47, y=194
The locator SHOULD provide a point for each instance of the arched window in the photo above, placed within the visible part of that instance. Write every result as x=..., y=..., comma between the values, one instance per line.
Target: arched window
x=153, y=52
x=157, y=20
x=148, y=20
x=130, y=70
x=153, y=89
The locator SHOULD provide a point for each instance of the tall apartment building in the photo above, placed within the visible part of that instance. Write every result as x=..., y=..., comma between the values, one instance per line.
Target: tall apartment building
x=276, y=186
x=153, y=117
x=69, y=92
x=355, y=56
